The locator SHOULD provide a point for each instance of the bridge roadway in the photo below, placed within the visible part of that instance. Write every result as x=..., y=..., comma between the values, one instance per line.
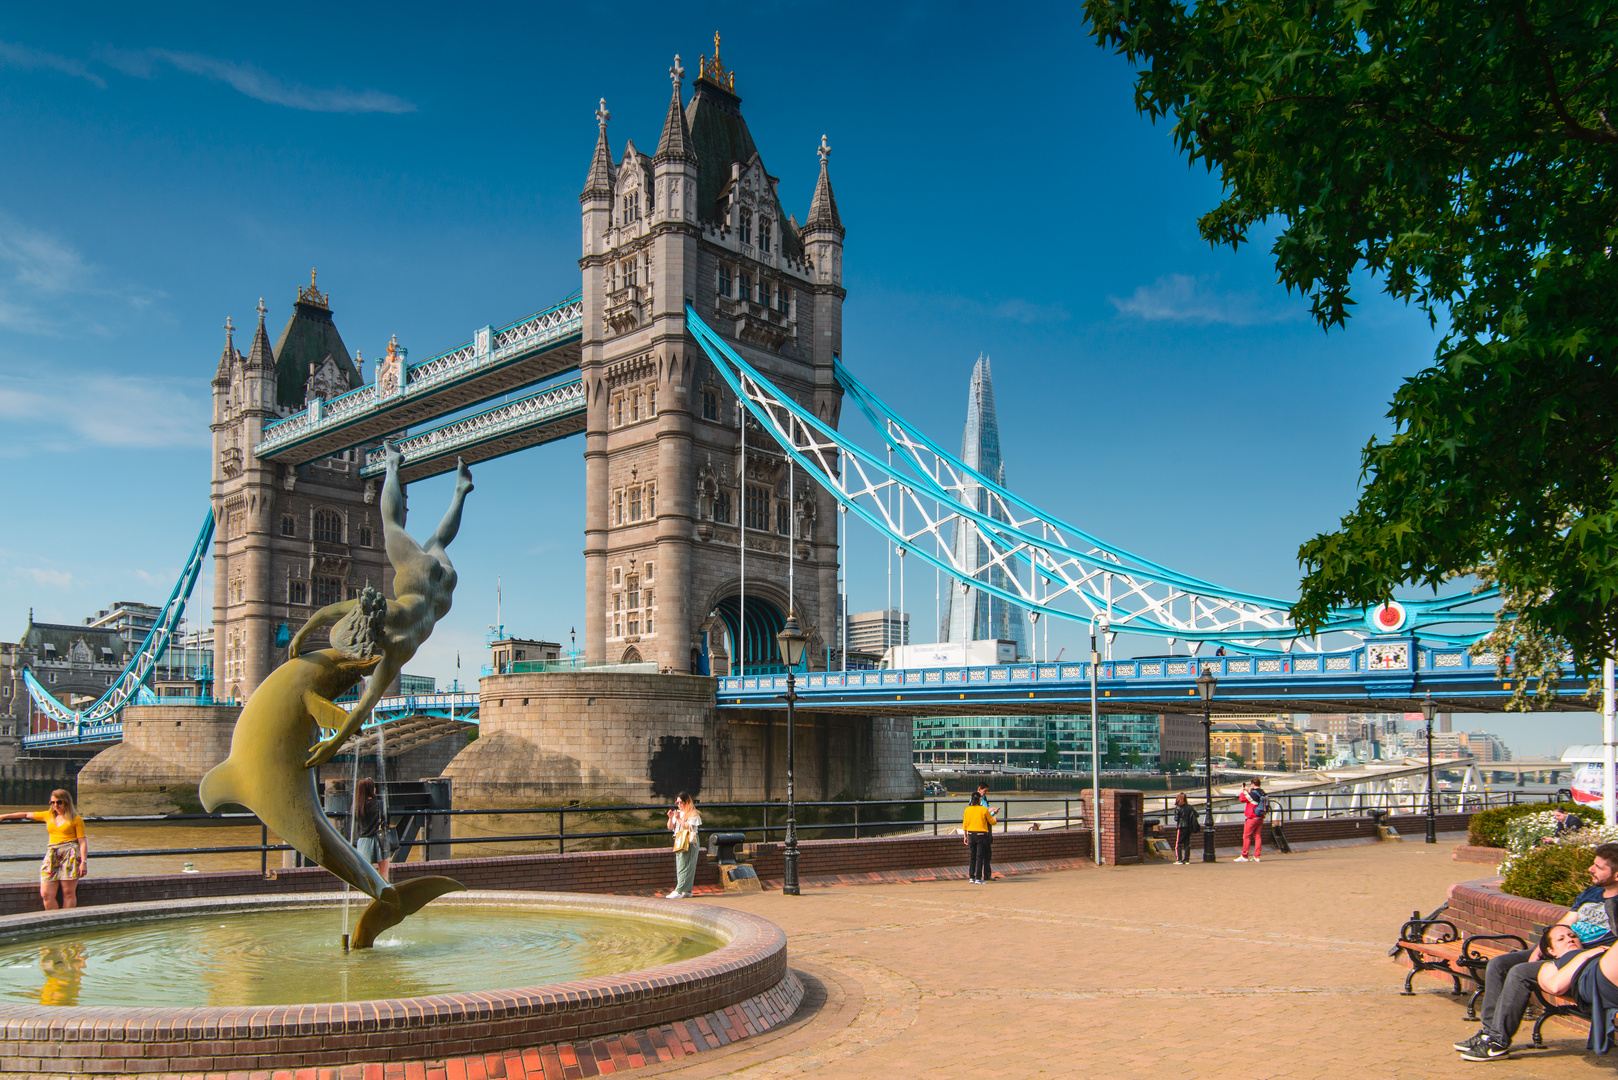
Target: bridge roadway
x=494, y=363
x=1362, y=679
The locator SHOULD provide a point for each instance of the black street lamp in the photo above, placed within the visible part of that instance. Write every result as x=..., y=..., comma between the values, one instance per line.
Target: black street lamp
x=1427, y=710
x=792, y=642
x=1205, y=687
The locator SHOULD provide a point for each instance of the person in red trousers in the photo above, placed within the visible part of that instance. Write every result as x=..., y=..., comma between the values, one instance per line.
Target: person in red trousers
x=1255, y=804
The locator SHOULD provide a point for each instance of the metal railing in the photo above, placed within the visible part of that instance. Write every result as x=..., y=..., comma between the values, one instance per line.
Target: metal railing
x=861, y=818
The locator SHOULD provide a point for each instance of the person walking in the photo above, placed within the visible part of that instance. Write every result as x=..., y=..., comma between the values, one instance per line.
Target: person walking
x=978, y=823
x=1255, y=804
x=684, y=821
x=371, y=838
x=1185, y=824
x=67, y=853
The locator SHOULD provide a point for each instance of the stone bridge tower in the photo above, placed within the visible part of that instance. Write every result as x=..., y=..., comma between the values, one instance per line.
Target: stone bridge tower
x=287, y=539
x=700, y=222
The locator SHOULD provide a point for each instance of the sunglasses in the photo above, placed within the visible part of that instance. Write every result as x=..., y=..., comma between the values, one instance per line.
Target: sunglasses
x=58, y=802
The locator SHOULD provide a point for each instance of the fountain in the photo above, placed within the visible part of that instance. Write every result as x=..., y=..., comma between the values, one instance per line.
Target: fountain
x=269, y=982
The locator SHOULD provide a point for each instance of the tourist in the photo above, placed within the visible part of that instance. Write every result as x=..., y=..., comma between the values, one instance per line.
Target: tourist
x=983, y=797
x=1565, y=971
x=1255, y=804
x=1566, y=823
x=67, y=855
x=371, y=837
x=978, y=823
x=1185, y=823
x=684, y=821
x=1510, y=978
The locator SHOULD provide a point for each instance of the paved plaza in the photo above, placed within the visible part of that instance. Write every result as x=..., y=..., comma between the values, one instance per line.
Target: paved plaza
x=1279, y=969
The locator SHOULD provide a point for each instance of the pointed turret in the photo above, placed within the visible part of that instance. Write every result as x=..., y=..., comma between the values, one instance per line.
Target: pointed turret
x=261, y=356
x=228, y=357
x=675, y=142
x=823, y=208
x=599, y=182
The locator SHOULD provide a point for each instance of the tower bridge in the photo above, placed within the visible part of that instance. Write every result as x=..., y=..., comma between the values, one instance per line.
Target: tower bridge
x=702, y=360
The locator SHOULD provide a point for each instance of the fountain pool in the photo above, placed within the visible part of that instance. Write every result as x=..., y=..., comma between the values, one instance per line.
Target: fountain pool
x=261, y=982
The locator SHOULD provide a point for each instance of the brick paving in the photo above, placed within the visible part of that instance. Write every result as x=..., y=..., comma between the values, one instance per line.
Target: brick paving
x=1278, y=969
x=1130, y=972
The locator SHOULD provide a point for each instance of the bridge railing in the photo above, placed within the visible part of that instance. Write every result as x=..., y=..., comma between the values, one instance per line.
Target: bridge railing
x=580, y=827
x=1256, y=667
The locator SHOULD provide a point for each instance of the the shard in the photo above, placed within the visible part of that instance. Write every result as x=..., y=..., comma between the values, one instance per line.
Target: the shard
x=971, y=614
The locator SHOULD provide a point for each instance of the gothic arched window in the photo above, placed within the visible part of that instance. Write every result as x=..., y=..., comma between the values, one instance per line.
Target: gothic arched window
x=328, y=526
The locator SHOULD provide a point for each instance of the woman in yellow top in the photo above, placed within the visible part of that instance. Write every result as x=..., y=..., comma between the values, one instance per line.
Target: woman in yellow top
x=67, y=858
x=978, y=821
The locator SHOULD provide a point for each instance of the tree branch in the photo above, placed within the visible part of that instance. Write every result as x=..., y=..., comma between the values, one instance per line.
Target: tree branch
x=1572, y=126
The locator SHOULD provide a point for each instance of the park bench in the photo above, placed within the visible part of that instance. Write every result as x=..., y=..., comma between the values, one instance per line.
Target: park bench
x=1449, y=953
x=1434, y=944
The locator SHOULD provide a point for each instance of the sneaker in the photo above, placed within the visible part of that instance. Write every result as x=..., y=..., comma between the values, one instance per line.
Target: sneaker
x=1467, y=1044
x=1241, y=858
x=675, y=895
x=1486, y=1049
x=1255, y=858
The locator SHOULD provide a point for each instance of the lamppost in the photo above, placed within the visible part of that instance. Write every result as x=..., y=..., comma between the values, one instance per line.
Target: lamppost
x=1095, y=748
x=1427, y=710
x=1205, y=687
x=792, y=642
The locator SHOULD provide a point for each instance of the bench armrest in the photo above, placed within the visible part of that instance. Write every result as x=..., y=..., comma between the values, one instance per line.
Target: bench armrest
x=1466, y=945
x=1416, y=929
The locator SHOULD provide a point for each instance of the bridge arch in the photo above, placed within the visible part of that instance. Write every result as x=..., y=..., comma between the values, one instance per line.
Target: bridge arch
x=765, y=618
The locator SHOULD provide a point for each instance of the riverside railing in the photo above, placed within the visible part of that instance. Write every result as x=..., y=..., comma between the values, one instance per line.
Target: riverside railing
x=886, y=817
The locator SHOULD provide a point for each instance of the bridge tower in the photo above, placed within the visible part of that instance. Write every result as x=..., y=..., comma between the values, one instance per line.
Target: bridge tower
x=288, y=539
x=700, y=222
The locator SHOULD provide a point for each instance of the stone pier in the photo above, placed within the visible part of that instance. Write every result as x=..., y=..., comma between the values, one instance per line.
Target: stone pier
x=554, y=736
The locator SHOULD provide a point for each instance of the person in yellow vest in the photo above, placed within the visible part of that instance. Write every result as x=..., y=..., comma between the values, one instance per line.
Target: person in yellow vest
x=978, y=823
x=67, y=856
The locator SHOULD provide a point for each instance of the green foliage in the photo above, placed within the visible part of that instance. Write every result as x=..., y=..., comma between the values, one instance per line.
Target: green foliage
x=1053, y=754
x=1236, y=759
x=1462, y=152
x=1489, y=827
x=1554, y=873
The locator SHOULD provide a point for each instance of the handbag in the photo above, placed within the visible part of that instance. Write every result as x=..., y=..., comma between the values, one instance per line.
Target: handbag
x=683, y=838
x=390, y=840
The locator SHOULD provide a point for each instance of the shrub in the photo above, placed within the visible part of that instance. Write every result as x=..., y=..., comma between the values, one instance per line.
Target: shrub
x=1488, y=828
x=1555, y=872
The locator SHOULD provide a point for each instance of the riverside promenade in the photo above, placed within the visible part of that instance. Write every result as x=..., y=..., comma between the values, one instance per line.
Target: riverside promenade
x=1235, y=970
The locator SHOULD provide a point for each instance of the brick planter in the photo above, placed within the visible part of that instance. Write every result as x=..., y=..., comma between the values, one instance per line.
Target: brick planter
x=1479, y=907
x=1472, y=853
x=748, y=971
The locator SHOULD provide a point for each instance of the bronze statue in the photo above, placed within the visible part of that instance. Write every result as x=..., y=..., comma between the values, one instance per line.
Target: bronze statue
x=268, y=769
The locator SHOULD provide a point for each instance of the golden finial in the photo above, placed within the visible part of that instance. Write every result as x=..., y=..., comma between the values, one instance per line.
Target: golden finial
x=311, y=294
x=715, y=72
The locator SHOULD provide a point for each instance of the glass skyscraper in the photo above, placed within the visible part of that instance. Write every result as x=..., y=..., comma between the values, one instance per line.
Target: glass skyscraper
x=1022, y=740
x=971, y=614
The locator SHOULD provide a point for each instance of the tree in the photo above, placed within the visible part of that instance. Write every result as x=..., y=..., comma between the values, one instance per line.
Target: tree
x=1236, y=759
x=1463, y=152
x=1052, y=758
x=1114, y=754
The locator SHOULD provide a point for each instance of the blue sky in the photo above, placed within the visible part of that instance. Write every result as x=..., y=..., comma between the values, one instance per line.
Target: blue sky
x=164, y=169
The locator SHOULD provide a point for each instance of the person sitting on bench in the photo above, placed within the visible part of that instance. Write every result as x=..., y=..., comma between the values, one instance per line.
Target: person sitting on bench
x=1511, y=977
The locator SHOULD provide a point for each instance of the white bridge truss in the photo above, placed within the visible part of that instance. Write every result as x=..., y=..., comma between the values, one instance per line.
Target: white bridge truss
x=921, y=496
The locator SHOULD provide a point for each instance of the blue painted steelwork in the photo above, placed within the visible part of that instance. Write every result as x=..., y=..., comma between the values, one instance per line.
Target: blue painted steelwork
x=920, y=501
x=490, y=350
x=1383, y=669
x=450, y=705
x=130, y=683
x=442, y=444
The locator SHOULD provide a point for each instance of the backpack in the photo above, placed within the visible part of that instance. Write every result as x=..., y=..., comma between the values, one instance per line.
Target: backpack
x=1261, y=803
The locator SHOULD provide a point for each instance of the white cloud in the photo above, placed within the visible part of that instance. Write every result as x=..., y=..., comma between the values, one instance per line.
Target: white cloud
x=1182, y=298
x=123, y=411
x=255, y=83
x=40, y=272
x=21, y=56
x=56, y=579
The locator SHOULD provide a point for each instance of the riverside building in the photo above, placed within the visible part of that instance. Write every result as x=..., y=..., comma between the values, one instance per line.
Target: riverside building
x=1032, y=742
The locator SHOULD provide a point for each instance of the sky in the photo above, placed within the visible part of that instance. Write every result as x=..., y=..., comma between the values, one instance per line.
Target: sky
x=164, y=168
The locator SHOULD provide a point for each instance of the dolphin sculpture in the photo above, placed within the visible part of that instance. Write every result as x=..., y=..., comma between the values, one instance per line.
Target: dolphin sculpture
x=266, y=770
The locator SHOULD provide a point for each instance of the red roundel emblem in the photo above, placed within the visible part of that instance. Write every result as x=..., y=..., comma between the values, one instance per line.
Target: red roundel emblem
x=1389, y=618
